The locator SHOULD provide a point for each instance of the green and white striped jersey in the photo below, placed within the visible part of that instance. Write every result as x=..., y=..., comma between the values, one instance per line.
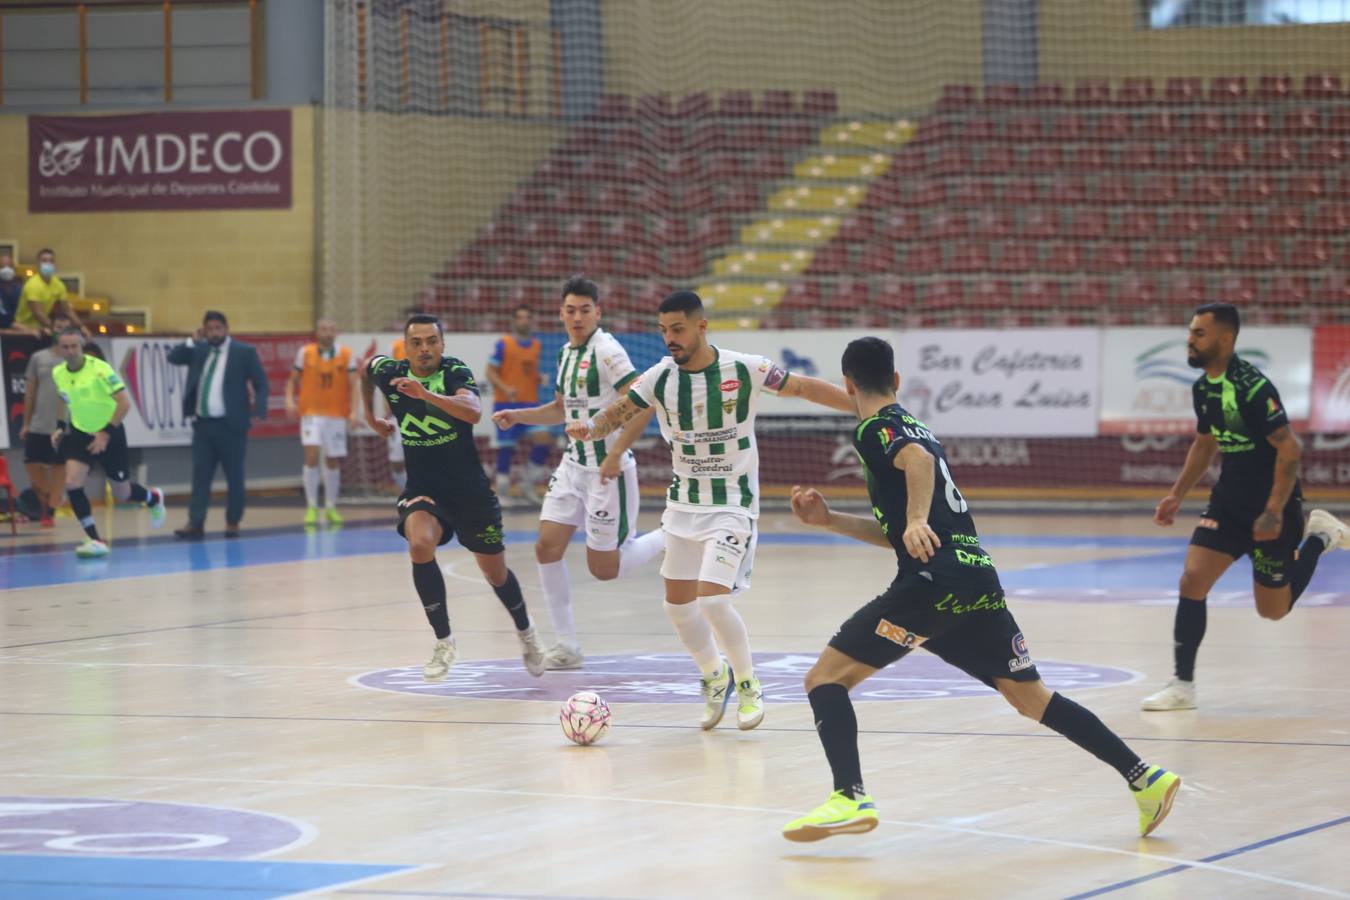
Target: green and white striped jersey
x=708, y=417
x=591, y=377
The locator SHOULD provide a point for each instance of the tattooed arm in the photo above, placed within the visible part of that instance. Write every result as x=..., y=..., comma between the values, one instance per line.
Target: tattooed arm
x=614, y=416
x=1288, y=452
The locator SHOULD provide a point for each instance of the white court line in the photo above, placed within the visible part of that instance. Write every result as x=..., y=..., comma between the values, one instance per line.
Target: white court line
x=572, y=798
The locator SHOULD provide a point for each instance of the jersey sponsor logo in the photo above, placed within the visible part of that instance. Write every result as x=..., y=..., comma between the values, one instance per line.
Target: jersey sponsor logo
x=420, y=498
x=899, y=635
x=711, y=469
x=1023, y=660
x=720, y=436
x=429, y=425
x=731, y=384
x=1207, y=522
x=491, y=535
x=952, y=604
x=583, y=365
x=979, y=560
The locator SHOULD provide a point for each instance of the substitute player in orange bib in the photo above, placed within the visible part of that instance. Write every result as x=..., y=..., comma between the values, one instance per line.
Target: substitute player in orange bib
x=325, y=379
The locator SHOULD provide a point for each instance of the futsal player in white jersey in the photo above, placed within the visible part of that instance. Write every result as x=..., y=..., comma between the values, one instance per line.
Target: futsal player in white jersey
x=595, y=486
x=706, y=399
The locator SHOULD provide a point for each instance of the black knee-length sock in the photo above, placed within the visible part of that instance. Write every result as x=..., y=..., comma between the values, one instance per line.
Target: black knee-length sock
x=837, y=726
x=1187, y=633
x=1302, y=570
x=509, y=593
x=430, y=584
x=1082, y=726
x=79, y=504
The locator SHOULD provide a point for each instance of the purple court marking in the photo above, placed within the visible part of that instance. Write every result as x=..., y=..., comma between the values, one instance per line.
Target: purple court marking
x=672, y=678
x=1166, y=598
x=94, y=826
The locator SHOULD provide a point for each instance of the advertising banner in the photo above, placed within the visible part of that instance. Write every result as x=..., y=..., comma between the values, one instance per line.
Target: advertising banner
x=1147, y=383
x=1009, y=383
x=226, y=159
x=1331, y=379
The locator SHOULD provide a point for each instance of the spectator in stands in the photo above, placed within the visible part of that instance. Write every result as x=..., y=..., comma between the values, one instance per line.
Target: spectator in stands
x=220, y=373
x=42, y=409
x=11, y=293
x=42, y=294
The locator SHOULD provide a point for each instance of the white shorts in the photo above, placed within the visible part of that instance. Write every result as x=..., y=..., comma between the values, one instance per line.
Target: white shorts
x=395, y=448
x=328, y=432
x=607, y=511
x=717, y=547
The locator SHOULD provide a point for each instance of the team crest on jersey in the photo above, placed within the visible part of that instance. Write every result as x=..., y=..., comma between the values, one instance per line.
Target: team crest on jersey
x=728, y=406
x=1023, y=660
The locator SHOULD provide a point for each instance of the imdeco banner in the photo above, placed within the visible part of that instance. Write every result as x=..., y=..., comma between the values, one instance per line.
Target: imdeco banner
x=229, y=159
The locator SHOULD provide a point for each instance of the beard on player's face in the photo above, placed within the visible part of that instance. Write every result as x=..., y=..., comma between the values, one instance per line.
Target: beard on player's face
x=1197, y=358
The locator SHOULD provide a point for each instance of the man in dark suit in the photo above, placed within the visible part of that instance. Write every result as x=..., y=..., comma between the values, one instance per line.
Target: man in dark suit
x=221, y=372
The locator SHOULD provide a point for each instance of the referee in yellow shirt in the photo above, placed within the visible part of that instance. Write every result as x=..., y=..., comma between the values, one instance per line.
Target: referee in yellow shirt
x=41, y=295
x=97, y=400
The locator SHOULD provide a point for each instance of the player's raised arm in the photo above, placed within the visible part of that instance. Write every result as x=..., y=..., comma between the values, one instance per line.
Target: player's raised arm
x=816, y=390
x=1197, y=463
x=918, y=465
x=810, y=507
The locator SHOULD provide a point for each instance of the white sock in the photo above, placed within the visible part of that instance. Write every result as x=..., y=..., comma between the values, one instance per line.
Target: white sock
x=558, y=596
x=310, y=475
x=332, y=482
x=731, y=633
x=503, y=483
x=696, y=635
x=641, y=550
x=400, y=479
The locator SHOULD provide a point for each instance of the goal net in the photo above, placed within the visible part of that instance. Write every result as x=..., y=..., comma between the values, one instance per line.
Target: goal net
x=1027, y=198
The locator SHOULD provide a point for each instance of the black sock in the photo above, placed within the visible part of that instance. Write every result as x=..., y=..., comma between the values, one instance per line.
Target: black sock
x=837, y=726
x=509, y=593
x=79, y=504
x=1187, y=633
x=1302, y=570
x=1082, y=726
x=138, y=494
x=430, y=585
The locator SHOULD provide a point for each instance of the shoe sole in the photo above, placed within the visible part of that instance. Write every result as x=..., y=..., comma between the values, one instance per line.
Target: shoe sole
x=1156, y=708
x=1341, y=528
x=808, y=833
x=567, y=667
x=745, y=725
x=432, y=679
x=709, y=726
x=1166, y=807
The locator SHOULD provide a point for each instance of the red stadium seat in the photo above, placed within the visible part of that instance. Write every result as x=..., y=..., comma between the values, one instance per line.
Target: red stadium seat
x=711, y=231
x=952, y=160
x=1339, y=120
x=1084, y=295
x=1023, y=129
x=976, y=128
x=1234, y=222
x=1067, y=189
x=1038, y=294
x=1046, y=158
x=667, y=231
x=856, y=228
x=1088, y=158
x=1288, y=290
x=990, y=294
x=1018, y=193
x=1109, y=258
x=1046, y=94
x=1063, y=258
x=1228, y=89
x=885, y=191
x=694, y=106
x=498, y=231
x=1160, y=125
x=1278, y=153
x=1213, y=255
x=1304, y=120
x=600, y=262
x=877, y=258
x=945, y=295
x=1326, y=153
x=1333, y=290
x=900, y=225
x=1113, y=126
x=654, y=106
x=1089, y=225
x=820, y=102
x=974, y=192
x=580, y=231
x=1206, y=189
x=736, y=103
x=995, y=160
x=1253, y=123
x=1322, y=86
x=1261, y=253
x=829, y=260
x=1041, y=224
x=1310, y=253
x=929, y=192
x=969, y=257
x=1286, y=220
x=1134, y=291
x=1184, y=289
x=1064, y=128
x=624, y=231
x=849, y=294
x=923, y=256
x=1234, y=154
x=1157, y=190
x=1136, y=224
x=1331, y=218
x=1300, y=186
x=1113, y=190
x=778, y=103
x=1160, y=256
x=640, y=264
x=1096, y=92
x=1204, y=124
x=1136, y=157
x=539, y=232
x=956, y=96
x=1238, y=289
x=682, y=262
x=946, y=224
x=990, y=223
x=1275, y=87
x=1135, y=92
x=1184, y=90
x=895, y=295
x=612, y=106
x=1016, y=256
x=551, y=262
x=1256, y=189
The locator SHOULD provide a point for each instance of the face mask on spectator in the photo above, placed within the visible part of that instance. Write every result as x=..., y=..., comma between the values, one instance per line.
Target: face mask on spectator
x=47, y=269
x=6, y=273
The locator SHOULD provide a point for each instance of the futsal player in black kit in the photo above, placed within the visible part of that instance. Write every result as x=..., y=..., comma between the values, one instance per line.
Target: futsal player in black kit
x=434, y=402
x=946, y=598
x=1255, y=508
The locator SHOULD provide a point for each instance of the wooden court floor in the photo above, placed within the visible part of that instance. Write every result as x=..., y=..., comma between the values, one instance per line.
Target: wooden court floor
x=247, y=719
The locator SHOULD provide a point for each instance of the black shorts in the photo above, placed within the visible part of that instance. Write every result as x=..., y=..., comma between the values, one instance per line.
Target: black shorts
x=971, y=630
x=38, y=449
x=115, y=460
x=1230, y=534
x=475, y=520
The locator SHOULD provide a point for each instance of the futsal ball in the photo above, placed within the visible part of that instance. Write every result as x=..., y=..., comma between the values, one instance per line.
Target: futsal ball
x=584, y=717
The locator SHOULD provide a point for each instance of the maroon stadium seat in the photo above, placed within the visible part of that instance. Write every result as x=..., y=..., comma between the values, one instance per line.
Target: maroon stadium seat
x=1287, y=220
x=923, y=256
x=1096, y=92
x=1259, y=253
x=694, y=106
x=1275, y=87
x=1041, y=223
x=736, y=103
x=1002, y=95
x=1046, y=94
x=1234, y=222
x=1113, y=190
x=1310, y=253
x=1184, y=90
x=956, y=96
x=1046, y=158
x=1135, y=92
x=1322, y=86
x=1331, y=218
x=1212, y=254
x=877, y=258
x=1016, y=256
x=1302, y=121
x=1253, y=122
x=829, y=260
x=1228, y=89
x=1160, y=256
x=778, y=103
x=1237, y=288
x=820, y=102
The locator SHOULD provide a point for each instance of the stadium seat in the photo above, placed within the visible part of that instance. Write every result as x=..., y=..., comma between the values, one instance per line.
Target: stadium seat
x=977, y=128
x=1062, y=258
x=1002, y=95
x=1067, y=189
x=1253, y=123
x=1096, y=92
x=682, y=263
x=1234, y=222
x=1134, y=291
x=899, y=225
x=1210, y=254
x=946, y=224
x=654, y=107
x=995, y=160
x=1206, y=189
x=1046, y=94
x=895, y=295
x=612, y=106
x=1331, y=218
x=1304, y=120
x=1322, y=86
x=1183, y=289
x=1088, y=158
x=1021, y=129
x=1089, y=225
x=849, y=294
x=1287, y=220
x=778, y=103
x=973, y=192
x=1038, y=294
x=1184, y=90
x=694, y=106
x=600, y=262
x=1064, y=128
x=1160, y=256
x=990, y=295
x=580, y=231
x=1136, y=224
x=498, y=232
x=736, y=104
x=928, y=192
x=1228, y=89
x=1204, y=124
x=1084, y=295
x=1135, y=92
x=1338, y=122
x=956, y=97
x=820, y=102
x=944, y=295
x=1260, y=253
x=1041, y=224
x=1157, y=190
x=969, y=257
x=1278, y=153
x=1109, y=257
x=1299, y=186
x=1233, y=154
x=1043, y=158
x=1018, y=192
x=1309, y=253
x=922, y=257
x=1160, y=125
x=1016, y=256
x=1326, y=153
x=877, y=258
x=1287, y=291
x=991, y=223
x=1113, y=190
x=1238, y=289
x=1332, y=289
x=1256, y=188
x=1275, y=87
x=831, y=259
x=1136, y=157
